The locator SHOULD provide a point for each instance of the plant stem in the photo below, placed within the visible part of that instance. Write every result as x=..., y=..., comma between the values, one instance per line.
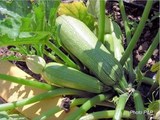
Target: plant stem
x=138, y=32
x=148, y=80
x=101, y=21
x=138, y=105
x=106, y=115
x=87, y=105
x=120, y=106
x=149, y=52
x=52, y=57
x=65, y=58
x=153, y=88
x=125, y=21
x=45, y=95
x=78, y=101
x=32, y=83
x=129, y=63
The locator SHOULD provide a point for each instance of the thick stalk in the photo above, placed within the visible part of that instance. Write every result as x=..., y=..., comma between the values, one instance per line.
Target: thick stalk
x=45, y=95
x=101, y=21
x=120, y=106
x=139, y=106
x=64, y=57
x=108, y=114
x=129, y=63
x=32, y=83
x=78, y=101
x=125, y=21
x=149, y=52
x=87, y=105
x=137, y=33
x=148, y=80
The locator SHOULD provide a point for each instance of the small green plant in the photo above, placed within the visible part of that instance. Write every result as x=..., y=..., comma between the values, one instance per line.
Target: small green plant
x=75, y=36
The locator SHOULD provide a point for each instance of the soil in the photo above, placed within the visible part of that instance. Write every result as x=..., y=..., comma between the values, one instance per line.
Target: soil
x=134, y=12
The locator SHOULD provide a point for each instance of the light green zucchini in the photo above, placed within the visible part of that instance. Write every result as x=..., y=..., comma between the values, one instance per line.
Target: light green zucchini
x=63, y=76
x=82, y=43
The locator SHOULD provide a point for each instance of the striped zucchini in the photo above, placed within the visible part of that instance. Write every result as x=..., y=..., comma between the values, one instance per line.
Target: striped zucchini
x=63, y=76
x=59, y=74
x=82, y=43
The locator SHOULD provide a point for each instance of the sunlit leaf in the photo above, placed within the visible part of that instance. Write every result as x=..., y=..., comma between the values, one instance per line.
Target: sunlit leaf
x=26, y=24
x=77, y=10
x=113, y=39
x=39, y=16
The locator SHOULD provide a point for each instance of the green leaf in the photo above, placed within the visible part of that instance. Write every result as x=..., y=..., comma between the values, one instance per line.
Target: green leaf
x=39, y=17
x=10, y=27
x=51, y=7
x=113, y=40
x=53, y=12
x=10, y=58
x=155, y=67
x=26, y=24
x=154, y=106
x=93, y=7
x=25, y=38
x=77, y=10
x=23, y=49
x=21, y=7
x=4, y=11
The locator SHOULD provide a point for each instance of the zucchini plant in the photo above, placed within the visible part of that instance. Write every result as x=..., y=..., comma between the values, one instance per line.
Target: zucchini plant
x=89, y=61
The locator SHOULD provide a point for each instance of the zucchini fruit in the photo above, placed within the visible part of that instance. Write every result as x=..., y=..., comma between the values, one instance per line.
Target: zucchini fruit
x=76, y=37
x=63, y=76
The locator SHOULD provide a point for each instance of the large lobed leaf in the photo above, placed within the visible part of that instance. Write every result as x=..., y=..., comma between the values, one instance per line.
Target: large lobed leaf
x=77, y=10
